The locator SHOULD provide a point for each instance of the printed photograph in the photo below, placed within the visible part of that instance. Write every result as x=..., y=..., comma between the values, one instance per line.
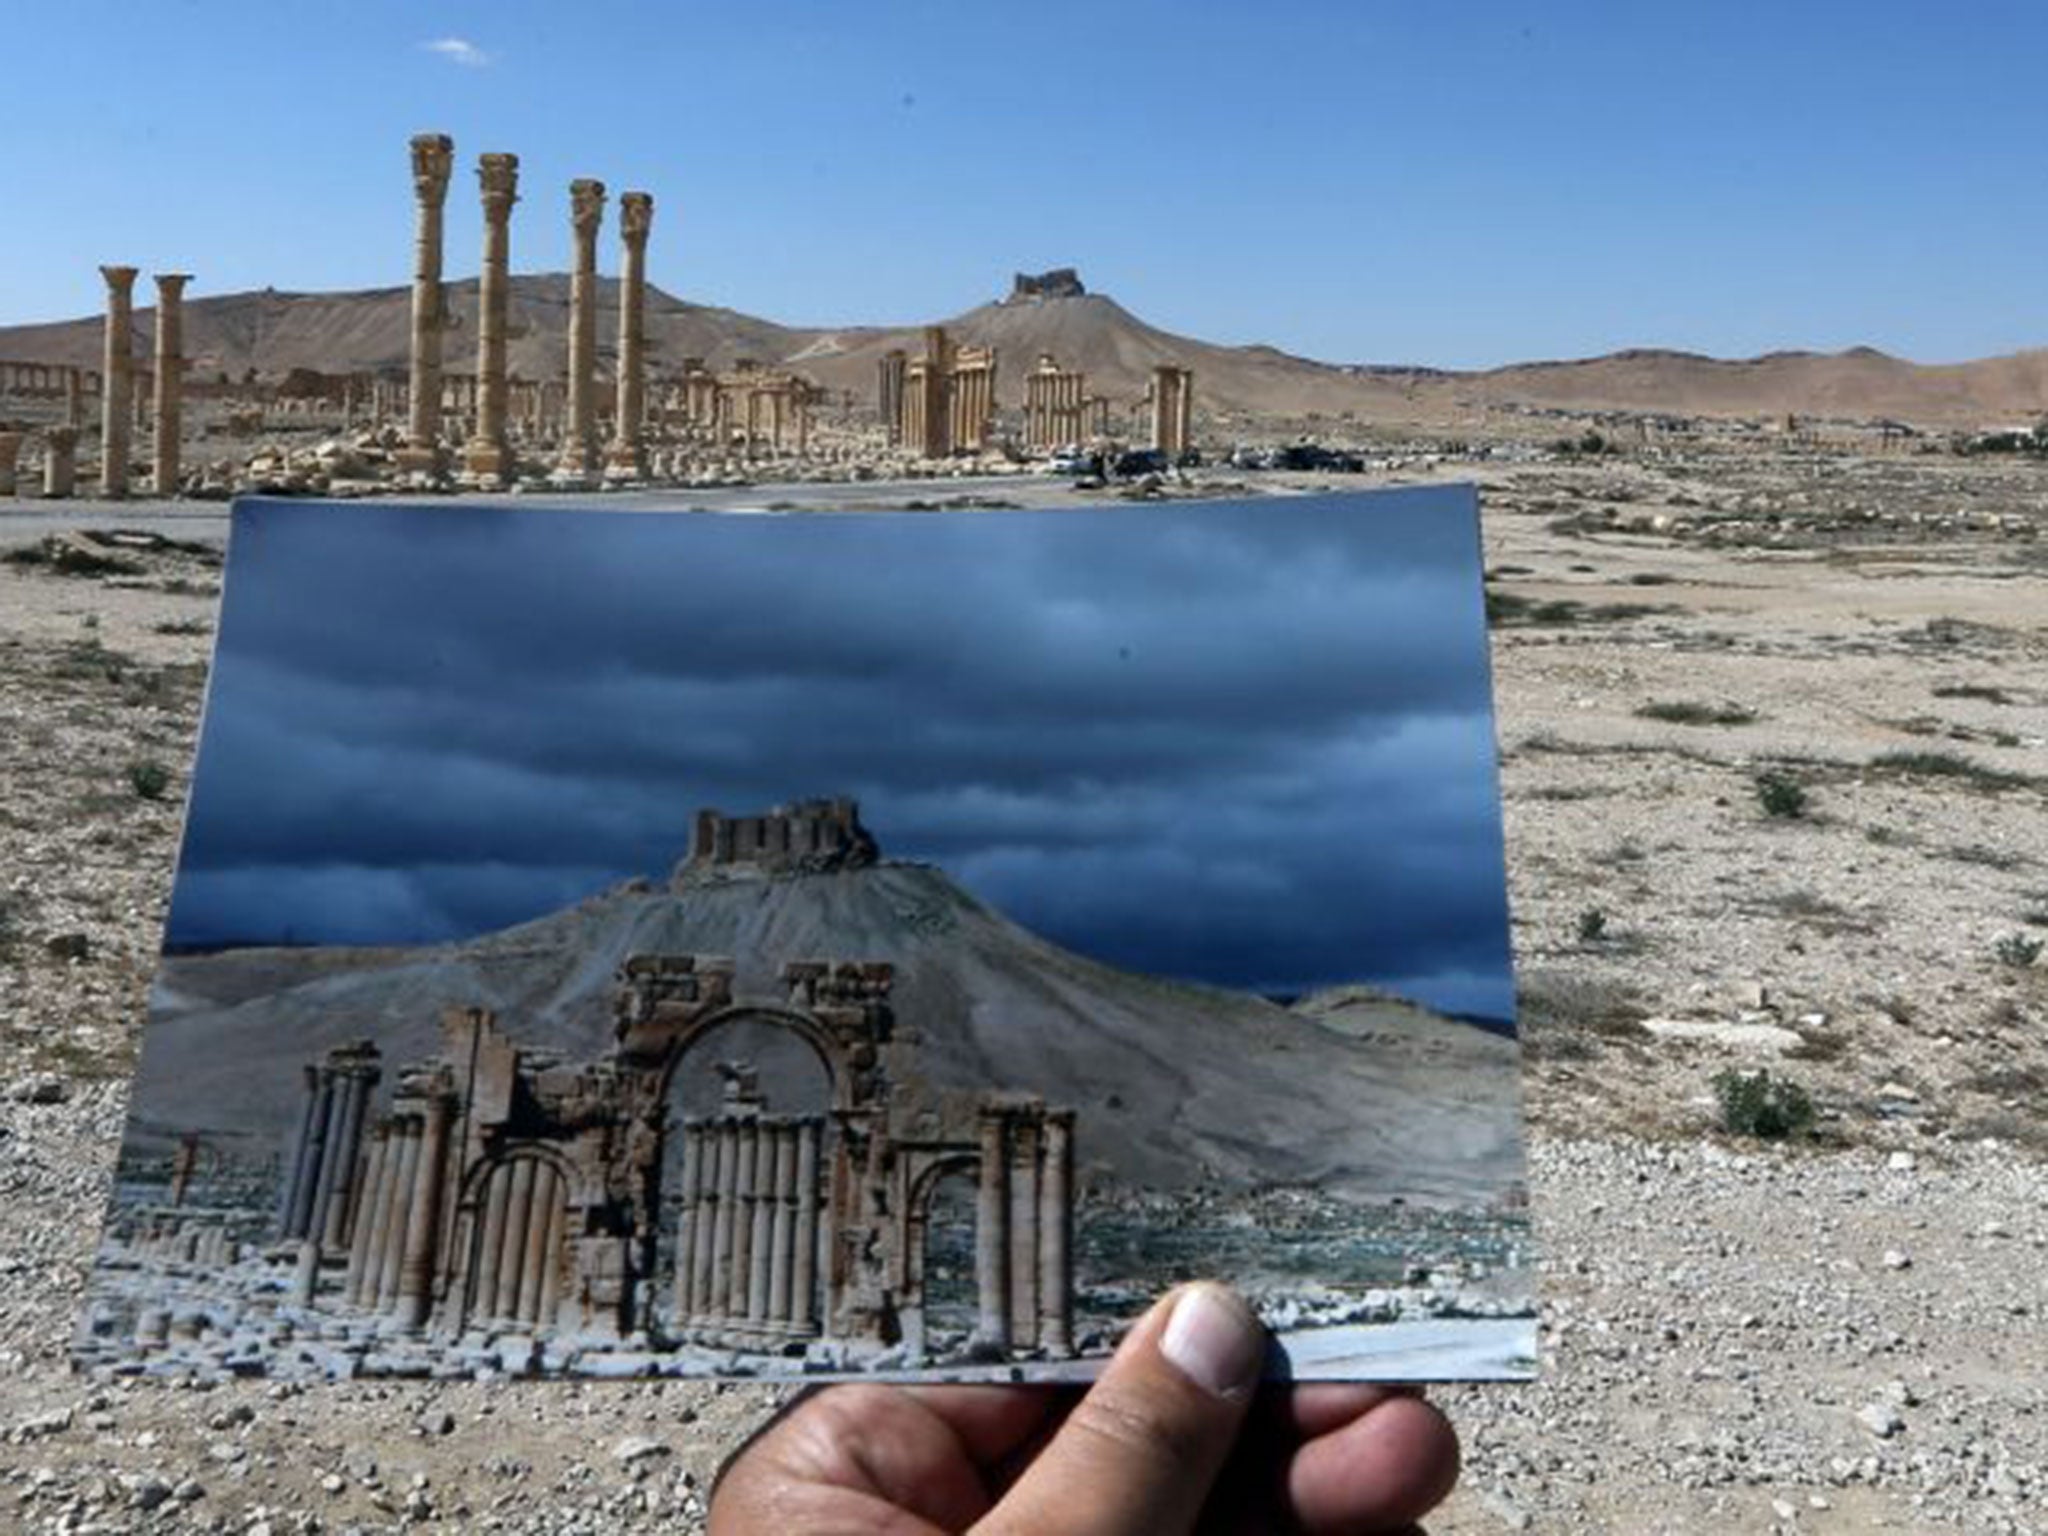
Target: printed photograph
x=674, y=943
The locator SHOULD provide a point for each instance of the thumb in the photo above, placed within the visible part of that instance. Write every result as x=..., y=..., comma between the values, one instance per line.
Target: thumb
x=1138, y=1454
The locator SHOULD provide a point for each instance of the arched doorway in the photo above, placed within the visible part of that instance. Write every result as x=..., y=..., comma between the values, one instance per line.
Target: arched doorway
x=742, y=1189
x=518, y=1236
x=940, y=1296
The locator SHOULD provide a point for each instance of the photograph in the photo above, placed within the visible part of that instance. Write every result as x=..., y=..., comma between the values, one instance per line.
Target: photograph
x=894, y=943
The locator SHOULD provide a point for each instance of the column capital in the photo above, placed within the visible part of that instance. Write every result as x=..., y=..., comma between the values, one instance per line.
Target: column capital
x=499, y=176
x=433, y=156
x=172, y=284
x=586, y=205
x=636, y=215
x=120, y=280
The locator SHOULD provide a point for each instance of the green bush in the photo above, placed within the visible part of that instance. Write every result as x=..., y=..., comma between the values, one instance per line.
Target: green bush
x=1757, y=1104
x=1782, y=796
x=149, y=779
x=1592, y=925
x=2016, y=949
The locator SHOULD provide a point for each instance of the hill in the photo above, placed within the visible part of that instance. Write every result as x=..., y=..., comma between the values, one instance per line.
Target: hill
x=273, y=332
x=1174, y=1084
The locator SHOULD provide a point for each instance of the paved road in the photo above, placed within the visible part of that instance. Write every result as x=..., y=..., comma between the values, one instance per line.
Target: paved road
x=23, y=519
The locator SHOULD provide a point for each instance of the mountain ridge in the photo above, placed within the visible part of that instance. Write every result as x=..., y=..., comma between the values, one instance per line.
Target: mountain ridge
x=368, y=330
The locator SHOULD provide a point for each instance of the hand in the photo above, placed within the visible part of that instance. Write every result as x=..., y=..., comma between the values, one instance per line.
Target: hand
x=1174, y=1434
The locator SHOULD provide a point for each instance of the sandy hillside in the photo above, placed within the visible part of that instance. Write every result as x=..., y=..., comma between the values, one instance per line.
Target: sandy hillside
x=273, y=332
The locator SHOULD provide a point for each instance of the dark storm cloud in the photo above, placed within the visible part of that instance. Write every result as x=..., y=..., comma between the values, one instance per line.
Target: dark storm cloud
x=1248, y=743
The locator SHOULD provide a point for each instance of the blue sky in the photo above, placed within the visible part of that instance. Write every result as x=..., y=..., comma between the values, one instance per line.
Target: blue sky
x=1460, y=184
x=1243, y=743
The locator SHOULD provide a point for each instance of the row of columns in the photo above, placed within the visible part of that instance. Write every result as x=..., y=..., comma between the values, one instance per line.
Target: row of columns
x=747, y=1258
x=185, y=1240
x=488, y=455
x=314, y=1205
x=1023, y=1230
x=1055, y=403
x=973, y=397
x=1172, y=400
x=48, y=381
x=397, y=1221
x=117, y=381
x=516, y=1278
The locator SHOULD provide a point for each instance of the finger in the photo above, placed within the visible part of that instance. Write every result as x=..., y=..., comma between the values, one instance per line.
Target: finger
x=870, y=1458
x=992, y=1423
x=1138, y=1453
x=1380, y=1472
x=1317, y=1407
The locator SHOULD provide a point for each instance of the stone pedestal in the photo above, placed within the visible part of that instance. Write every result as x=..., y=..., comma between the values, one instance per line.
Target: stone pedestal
x=432, y=156
x=488, y=456
x=60, y=461
x=10, y=453
x=626, y=459
x=117, y=382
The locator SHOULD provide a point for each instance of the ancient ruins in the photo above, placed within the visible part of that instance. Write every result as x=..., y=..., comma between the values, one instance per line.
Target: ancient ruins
x=617, y=415
x=495, y=1190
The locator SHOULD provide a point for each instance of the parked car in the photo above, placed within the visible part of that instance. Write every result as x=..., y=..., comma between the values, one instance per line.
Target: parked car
x=1133, y=462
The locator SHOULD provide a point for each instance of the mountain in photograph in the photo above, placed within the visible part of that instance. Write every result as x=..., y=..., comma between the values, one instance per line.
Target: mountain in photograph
x=1176, y=1085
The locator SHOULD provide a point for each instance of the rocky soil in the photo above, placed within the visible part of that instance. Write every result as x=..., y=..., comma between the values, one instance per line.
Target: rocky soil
x=1775, y=732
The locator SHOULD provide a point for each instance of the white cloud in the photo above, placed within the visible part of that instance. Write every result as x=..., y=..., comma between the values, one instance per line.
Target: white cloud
x=458, y=50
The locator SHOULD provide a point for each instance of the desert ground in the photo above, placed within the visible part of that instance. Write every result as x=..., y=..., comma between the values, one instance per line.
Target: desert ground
x=1774, y=731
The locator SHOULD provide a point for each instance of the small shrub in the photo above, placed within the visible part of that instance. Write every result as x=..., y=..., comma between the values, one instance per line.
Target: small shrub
x=184, y=627
x=1945, y=765
x=1592, y=925
x=1782, y=797
x=149, y=779
x=2017, y=950
x=1973, y=691
x=1757, y=1104
x=1691, y=712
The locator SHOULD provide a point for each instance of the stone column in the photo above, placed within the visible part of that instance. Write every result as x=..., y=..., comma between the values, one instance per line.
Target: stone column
x=432, y=156
x=704, y=1227
x=627, y=460
x=760, y=1250
x=10, y=454
x=116, y=381
x=74, y=398
x=785, y=1224
x=535, y=1261
x=496, y=1202
x=743, y=1222
x=488, y=457
x=168, y=377
x=803, y=1277
x=288, y=1192
x=992, y=1236
x=1056, y=1237
x=416, y=1268
x=369, y=1205
x=306, y=1180
x=344, y=1158
x=512, y=1255
x=1023, y=1218
x=551, y=1247
x=728, y=1208
x=1184, y=410
x=586, y=212
x=397, y=1220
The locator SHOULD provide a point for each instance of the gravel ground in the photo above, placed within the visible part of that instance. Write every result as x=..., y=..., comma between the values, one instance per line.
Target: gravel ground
x=1843, y=1333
